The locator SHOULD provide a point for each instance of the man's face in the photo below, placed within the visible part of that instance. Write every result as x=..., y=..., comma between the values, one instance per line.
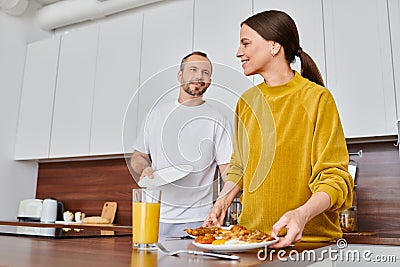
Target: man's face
x=195, y=77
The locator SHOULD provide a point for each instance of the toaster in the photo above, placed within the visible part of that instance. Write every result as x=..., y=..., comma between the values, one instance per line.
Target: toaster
x=30, y=210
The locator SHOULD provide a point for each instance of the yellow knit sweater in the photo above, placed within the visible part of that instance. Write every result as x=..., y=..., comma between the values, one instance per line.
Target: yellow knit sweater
x=288, y=144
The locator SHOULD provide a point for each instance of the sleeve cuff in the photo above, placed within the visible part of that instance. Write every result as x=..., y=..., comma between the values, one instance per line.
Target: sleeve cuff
x=235, y=179
x=331, y=191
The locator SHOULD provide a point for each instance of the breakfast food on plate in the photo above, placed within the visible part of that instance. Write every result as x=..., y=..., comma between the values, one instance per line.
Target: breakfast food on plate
x=202, y=231
x=96, y=219
x=238, y=234
x=205, y=239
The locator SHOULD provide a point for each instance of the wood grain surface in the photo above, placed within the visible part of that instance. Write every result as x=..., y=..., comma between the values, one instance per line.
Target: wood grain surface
x=86, y=185
x=378, y=186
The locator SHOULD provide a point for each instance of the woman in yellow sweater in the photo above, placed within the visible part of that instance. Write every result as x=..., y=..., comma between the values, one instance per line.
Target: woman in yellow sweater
x=290, y=157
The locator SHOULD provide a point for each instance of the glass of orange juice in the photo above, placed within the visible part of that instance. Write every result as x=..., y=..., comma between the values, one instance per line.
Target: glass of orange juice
x=145, y=218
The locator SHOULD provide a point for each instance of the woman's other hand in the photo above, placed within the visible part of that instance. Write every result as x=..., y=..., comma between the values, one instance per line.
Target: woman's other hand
x=295, y=220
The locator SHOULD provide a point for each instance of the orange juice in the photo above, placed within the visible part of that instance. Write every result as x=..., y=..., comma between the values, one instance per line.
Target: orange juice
x=142, y=258
x=145, y=220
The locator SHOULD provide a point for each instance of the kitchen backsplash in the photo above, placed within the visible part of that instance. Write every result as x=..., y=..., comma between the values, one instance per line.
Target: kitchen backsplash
x=86, y=185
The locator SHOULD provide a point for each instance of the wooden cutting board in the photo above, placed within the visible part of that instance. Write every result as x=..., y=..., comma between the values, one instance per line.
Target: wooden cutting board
x=109, y=210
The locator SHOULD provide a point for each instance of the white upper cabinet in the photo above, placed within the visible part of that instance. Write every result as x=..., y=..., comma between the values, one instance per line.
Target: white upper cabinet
x=86, y=92
x=307, y=14
x=117, y=80
x=167, y=38
x=359, y=66
x=36, y=106
x=70, y=134
x=394, y=20
x=217, y=34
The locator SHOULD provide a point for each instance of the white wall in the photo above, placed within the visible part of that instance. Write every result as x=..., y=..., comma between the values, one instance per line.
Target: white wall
x=17, y=179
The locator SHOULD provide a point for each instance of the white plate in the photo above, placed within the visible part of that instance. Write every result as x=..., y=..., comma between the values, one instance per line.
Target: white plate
x=166, y=176
x=235, y=247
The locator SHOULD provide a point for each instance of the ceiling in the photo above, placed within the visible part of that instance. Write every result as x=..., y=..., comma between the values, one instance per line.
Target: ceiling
x=54, y=14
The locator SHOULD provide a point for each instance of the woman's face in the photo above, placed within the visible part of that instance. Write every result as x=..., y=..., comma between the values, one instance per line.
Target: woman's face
x=254, y=51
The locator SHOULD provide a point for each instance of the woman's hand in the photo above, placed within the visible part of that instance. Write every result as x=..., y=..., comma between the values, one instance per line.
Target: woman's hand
x=217, y=214
x=295, y=220
x=215, y=218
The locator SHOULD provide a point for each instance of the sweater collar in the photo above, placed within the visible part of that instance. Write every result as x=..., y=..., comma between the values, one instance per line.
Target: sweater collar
x=282, y=89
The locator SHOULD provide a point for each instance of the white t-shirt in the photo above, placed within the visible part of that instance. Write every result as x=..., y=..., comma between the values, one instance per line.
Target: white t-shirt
x=174, y=134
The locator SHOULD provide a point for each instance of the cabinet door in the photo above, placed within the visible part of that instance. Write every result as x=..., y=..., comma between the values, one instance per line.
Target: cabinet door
x=167, y=38
x=307, y=15
x=36, y=106
x=74, y=93
x=218, y=35
x=359, y=66
x=117, y=80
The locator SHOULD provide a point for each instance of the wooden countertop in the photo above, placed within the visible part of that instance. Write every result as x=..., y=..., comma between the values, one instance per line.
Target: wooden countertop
x=380, y=238
x=117, y=251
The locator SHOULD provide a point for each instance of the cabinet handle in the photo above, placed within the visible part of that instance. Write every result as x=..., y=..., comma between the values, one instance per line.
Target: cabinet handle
x=398, y=134
x=359, y=153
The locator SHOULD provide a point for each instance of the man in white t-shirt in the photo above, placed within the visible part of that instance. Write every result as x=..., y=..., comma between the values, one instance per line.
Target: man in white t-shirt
x=186, y=131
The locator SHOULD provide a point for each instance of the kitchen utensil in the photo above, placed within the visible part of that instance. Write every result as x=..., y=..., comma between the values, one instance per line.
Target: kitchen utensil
x=109, y=210
x=166, y=176
x=49, y=210
x=30, y=210
x=178, y=237
x=196, y=253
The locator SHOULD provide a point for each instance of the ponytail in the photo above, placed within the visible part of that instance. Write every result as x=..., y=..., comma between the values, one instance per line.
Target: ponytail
x=309, y=68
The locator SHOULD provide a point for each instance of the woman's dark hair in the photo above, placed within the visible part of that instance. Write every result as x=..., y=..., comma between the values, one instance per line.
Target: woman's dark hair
x=278, y=26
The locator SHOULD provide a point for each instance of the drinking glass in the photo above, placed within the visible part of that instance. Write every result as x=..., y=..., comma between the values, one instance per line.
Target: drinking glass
x=145, y=218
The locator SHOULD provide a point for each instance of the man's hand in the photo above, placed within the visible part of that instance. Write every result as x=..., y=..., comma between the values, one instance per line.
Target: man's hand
x=138, y=163
x=147, y=172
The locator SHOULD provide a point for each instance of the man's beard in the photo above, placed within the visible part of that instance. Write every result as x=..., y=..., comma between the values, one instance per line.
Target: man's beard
x=194, y=92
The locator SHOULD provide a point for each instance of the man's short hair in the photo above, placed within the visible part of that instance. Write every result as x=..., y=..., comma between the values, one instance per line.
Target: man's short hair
x=197, y=53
